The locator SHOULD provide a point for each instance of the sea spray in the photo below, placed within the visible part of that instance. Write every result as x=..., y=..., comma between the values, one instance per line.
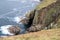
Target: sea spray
x=4, y=29
x=18, y=19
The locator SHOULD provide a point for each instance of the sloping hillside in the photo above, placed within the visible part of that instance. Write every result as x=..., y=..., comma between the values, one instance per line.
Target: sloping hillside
x=53, y=34
x=45, y=3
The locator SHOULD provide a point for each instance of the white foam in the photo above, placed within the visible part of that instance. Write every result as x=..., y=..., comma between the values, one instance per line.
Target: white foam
x=4, y=29
x=36, y=0
x=18, y=19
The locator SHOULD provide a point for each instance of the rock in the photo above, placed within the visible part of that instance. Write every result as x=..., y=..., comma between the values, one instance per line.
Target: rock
x=24, y=21
x=45, y=15
x=18, y=19
x=14, y=30
x=34, y=28
x=27, y=21
x=10, y=30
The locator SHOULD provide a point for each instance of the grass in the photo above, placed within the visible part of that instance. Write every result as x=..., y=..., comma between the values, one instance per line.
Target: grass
x=53, y=34
x=45, y=3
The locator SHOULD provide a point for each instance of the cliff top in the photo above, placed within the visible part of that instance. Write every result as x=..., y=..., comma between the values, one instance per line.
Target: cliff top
x=45, y=3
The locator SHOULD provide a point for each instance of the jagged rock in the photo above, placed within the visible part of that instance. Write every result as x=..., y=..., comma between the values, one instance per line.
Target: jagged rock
x=24, y=21
x=27, y=21
x=10, y=30
x=34, y=28
x=57, y=24
x=14, y=30
x=45, y=16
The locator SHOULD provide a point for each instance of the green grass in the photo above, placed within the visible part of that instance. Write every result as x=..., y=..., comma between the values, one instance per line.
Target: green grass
x=45, y=3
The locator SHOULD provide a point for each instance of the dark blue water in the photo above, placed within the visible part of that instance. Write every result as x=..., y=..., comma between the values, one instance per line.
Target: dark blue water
x=12, y=8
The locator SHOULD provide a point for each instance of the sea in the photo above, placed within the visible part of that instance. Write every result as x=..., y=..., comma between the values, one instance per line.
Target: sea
x=12, y=10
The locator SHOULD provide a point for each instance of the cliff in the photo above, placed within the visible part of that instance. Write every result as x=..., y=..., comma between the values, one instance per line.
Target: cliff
x=45, y=16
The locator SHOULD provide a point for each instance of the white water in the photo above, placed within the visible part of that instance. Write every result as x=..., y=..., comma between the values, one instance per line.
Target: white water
x=4, y=29
x=16, y=17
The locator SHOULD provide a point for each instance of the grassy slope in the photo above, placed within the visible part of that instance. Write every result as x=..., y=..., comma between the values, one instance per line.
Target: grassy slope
x=45, y=3
x=53, y=34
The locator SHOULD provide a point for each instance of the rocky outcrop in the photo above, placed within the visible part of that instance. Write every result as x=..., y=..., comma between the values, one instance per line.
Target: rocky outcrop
x=14, y=30
x=10, y=30
x=45, y=17
x=29, y=19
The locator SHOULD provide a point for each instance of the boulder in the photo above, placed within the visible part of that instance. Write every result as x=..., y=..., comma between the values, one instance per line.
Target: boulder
x=10, y=30
x=14, y=30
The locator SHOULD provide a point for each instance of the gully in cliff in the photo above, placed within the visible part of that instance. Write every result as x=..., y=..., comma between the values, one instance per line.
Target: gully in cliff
x=45, y=17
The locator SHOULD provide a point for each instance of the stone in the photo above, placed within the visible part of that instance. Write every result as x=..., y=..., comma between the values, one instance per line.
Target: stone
x=10, y=30
x=44, y=16
x=14, y=29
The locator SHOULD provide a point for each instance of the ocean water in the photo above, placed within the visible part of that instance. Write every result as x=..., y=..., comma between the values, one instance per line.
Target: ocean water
x=12, y=10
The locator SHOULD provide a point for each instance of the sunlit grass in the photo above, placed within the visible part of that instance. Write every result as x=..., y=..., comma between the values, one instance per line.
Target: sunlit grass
x=45, y=3
x=53, y=34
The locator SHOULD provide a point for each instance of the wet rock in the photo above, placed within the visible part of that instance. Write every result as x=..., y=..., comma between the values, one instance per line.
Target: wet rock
x=27, y=21
x=14, y=30
x=34, y=28
x=24, y=21
x=8, y=30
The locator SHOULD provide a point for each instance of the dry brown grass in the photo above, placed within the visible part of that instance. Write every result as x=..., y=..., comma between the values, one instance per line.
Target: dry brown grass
x=53, y=34
x=45, y=3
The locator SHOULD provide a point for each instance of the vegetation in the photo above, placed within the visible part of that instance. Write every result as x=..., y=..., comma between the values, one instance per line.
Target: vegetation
x=44, y=15
x=53, y=34
x=45, y=3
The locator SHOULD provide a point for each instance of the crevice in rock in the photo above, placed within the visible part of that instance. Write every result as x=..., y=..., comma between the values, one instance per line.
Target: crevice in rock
x=44, y=17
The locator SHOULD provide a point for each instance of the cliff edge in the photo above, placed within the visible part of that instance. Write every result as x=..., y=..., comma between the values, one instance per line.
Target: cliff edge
x=43, y=22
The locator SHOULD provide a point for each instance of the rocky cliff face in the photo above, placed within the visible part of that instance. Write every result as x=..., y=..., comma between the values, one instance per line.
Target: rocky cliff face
x=45, y=17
